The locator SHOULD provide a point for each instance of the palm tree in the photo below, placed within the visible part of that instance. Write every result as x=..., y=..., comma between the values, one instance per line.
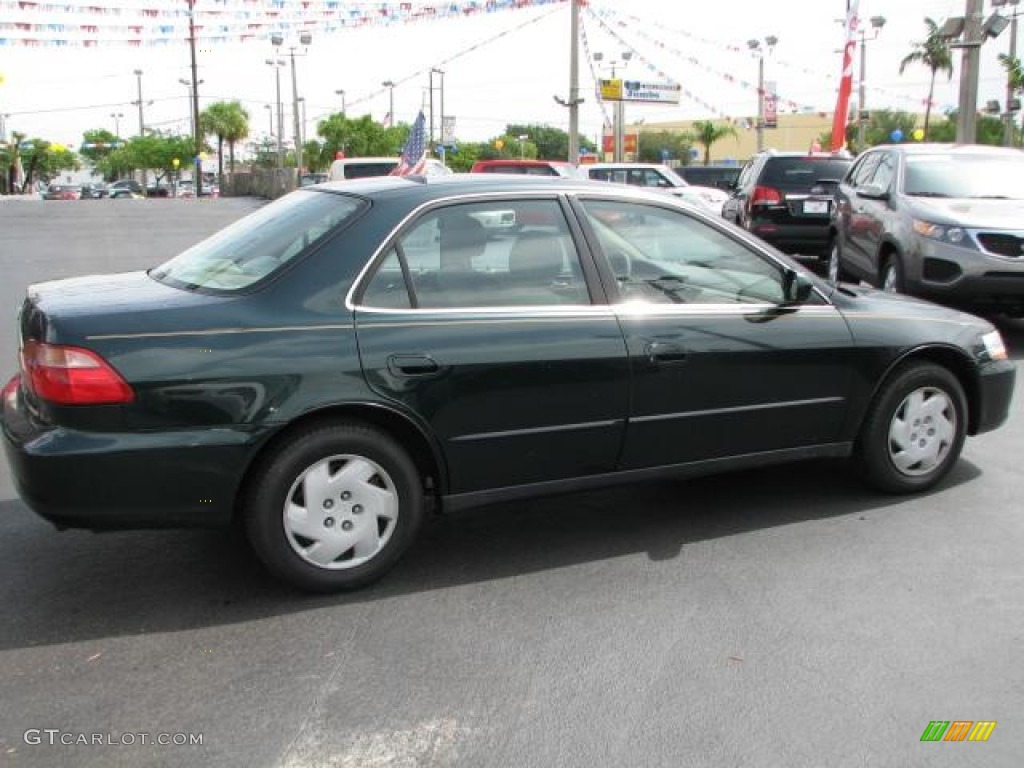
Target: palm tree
x=706, y=133
x=229, y=122
x=236, y=128
x=934, y=53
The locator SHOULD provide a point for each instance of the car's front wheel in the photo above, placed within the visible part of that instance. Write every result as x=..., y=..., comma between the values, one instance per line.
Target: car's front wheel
x=334, y=507
x=836, y=273
x=892, y=275
x=914, y=429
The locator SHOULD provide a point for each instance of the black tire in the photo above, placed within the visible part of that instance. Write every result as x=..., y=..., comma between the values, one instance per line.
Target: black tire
x=834, y=262
x=891, y=277
x=322, y=449
x=883, y=460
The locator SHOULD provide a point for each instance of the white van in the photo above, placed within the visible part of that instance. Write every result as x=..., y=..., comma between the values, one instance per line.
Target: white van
x=363, y=167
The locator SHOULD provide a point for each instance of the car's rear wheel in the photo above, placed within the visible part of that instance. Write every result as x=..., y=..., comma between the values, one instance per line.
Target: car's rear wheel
x=914, y=430
x=892, y=274
x=334, y=507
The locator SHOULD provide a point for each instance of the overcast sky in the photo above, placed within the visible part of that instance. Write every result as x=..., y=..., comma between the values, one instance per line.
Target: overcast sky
x=500, y=67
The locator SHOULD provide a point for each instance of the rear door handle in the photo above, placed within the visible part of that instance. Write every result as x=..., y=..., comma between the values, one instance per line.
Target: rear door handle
x=413, y=365
x=663, y=353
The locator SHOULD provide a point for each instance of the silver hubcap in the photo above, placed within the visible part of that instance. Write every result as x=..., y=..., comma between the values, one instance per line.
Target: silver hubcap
x=922, y=431
x=833, y=264
x=341, y=512
x=889, y=284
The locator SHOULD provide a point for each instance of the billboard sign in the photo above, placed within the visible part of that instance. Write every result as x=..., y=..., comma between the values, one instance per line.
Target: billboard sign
x=634, y=90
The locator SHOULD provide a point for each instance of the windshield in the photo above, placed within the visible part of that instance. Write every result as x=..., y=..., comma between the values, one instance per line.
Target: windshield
x=259, y=244
x=998, y=177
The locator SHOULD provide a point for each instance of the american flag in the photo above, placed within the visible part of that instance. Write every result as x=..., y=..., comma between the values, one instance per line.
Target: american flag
x=414, y=155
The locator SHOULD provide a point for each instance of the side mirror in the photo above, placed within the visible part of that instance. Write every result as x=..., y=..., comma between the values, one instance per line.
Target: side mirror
x=796, y=287
x=873, y=192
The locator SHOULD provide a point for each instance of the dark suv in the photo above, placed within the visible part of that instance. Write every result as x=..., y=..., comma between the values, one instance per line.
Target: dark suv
x=721, y=176
x=786, y=199
x=940, y=221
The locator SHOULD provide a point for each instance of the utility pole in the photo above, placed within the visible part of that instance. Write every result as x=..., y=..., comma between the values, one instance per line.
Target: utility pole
x=967, y=118
x=295, y=115
x=142, y=124
x=1008, y=126
x=197, y=131
x=574, y=83
x=574, y=100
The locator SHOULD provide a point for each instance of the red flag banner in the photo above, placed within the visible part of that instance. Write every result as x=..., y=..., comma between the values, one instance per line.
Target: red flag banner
x=846, y=81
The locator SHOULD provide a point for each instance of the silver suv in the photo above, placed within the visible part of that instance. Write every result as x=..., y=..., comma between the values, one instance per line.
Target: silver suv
x=944, y=222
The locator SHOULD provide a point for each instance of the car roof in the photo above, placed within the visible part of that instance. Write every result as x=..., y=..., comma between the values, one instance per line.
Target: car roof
x=931, y=148
x=434, y=187
x=624, y=165
x=522, y=163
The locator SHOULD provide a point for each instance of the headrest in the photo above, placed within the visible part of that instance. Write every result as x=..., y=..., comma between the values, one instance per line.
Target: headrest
x=537, y=256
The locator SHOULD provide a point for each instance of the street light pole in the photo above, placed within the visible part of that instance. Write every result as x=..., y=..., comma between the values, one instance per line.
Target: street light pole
x=1008, y=139
x=433, y=70
x=755, y=47
x=390, y=85
x=966, y=118
x=277, y=64
x=142, y=123
x=117, y=122
x=877, y=22
x=341, y=92
x=618, y=110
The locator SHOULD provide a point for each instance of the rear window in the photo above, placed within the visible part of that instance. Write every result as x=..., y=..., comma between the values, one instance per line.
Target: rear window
x=259, y=244
x=366, y=170
x=802, y=172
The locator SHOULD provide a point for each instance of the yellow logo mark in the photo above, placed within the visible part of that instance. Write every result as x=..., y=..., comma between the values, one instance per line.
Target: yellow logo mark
x=982, y=730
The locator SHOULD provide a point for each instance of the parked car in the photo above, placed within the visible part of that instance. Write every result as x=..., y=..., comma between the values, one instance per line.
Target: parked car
x=125, y=188
x=787, y=199
x=934, y=220
x=659, y=177
x=525, y=167
x=309, y=179
x=63, y=192
x=159, y=190
x=364, y=167
x=329, y=368
x=94, y=190
x=185, y=188
x=721, y=176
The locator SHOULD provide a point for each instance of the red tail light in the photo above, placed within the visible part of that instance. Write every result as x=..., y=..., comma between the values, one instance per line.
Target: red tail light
x=766, y=196
x=71, y=375
x=10, y=389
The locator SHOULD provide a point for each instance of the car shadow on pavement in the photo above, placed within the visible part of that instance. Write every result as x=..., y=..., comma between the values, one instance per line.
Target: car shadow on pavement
x=76, y=585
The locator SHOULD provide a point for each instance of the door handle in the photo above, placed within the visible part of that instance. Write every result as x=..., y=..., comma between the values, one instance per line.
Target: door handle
x=413, y=365
x=662, y=353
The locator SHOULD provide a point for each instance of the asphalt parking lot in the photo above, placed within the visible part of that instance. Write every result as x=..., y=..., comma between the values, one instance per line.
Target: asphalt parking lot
x=782, y=617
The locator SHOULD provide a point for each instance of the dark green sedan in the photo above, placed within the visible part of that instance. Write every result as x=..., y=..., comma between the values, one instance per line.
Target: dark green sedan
x=328, y=368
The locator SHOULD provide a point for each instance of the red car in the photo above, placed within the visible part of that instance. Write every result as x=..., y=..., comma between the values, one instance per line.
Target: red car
x=528, y=167
x=63, y=192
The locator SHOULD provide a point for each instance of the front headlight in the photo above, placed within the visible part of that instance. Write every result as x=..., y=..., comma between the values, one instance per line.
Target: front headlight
x=943, y=232
x=994, y=346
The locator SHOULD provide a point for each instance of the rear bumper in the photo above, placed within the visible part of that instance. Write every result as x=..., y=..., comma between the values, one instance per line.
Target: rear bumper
x=810, y=238
x=75, y=479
